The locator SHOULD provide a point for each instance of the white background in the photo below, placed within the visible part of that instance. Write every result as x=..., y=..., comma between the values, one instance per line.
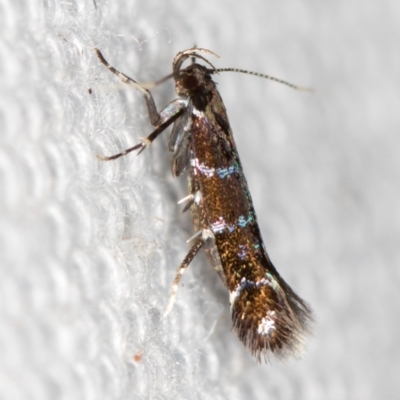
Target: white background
x=88, y=249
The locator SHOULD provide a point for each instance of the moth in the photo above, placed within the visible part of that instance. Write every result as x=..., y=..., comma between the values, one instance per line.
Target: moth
x=267, y=315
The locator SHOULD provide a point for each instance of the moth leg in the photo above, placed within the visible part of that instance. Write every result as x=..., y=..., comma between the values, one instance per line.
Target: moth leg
x=145, y=142
x=189, y=198
x=160, y=120
x=196, y=198
x=151, y=105
x=185, y=263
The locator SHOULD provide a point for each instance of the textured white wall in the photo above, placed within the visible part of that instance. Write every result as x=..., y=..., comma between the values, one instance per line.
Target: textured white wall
x=88, y=250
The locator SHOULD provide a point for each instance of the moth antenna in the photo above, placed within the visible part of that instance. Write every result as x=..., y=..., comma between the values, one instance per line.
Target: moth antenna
x=151, y=85
x=194, y=52
x=271, y=78
x=193, y=58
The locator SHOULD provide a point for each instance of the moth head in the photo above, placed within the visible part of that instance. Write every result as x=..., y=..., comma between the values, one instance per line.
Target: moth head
x=194, y=77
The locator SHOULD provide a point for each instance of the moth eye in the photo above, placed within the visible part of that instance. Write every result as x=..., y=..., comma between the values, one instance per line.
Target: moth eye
x=190, y=82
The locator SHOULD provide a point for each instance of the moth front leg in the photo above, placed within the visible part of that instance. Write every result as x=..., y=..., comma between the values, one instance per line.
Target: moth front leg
x=151, y=105
x=156, y=118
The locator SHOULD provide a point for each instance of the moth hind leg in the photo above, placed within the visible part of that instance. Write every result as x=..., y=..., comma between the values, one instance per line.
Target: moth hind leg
x=182, y=268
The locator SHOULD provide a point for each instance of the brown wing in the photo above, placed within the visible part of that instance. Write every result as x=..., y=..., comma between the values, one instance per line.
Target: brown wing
x=267, y=315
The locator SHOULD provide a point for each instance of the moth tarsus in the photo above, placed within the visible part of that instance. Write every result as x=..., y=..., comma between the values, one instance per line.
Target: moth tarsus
x=267, y=315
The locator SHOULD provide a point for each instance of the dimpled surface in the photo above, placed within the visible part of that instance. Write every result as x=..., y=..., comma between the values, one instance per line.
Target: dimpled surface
x=88, y=250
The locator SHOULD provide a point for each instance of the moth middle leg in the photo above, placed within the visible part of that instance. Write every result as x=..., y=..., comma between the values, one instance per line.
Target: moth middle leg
x=144, y=143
